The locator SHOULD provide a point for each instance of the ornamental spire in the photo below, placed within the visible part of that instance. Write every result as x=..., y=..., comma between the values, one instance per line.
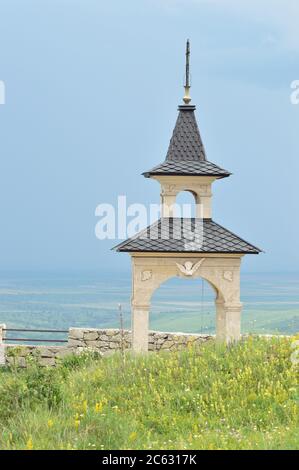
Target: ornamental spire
x=187, y=97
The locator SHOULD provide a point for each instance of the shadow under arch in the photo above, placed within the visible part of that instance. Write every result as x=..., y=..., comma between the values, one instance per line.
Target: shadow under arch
x=219, y=296
x=184, y=304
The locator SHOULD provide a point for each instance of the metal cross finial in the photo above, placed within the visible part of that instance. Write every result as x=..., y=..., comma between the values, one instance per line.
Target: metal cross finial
x=187, y=98
x=187, y=62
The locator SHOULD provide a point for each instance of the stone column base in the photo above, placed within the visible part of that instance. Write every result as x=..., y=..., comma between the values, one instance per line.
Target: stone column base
x=140, y=327
x=228, y=321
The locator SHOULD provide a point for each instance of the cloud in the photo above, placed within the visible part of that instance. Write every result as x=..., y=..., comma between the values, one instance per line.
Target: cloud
x=280, y=15
x=283, y=15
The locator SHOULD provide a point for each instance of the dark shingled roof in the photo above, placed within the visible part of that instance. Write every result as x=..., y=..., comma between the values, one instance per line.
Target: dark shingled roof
x=194, y=168
x=186, y=153
x=186, y=143
x=186, y=235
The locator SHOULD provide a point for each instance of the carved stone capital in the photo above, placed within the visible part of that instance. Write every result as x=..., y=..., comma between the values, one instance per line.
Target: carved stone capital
x=169, y=190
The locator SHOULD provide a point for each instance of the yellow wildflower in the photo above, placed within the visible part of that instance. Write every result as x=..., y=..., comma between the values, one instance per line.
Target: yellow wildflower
x=77, y=421
x=98, y=407
x=29, y=445
x=133, y=436
x=50, y=423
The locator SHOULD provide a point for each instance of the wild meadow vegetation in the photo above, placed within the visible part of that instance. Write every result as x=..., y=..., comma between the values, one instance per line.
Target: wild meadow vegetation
x=244, y=397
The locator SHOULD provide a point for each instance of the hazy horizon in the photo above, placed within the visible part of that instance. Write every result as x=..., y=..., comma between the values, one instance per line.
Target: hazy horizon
x=80, y=299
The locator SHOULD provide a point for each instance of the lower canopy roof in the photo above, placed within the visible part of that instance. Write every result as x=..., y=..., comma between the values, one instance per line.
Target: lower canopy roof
x=186, y=235
x=187, y=168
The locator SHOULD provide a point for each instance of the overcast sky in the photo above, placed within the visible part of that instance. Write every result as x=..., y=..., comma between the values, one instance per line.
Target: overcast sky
x=92, y=89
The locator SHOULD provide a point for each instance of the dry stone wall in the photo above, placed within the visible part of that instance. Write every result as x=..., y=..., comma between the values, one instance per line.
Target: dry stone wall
x=112, y=339
x=104, y=341
x=46, y=356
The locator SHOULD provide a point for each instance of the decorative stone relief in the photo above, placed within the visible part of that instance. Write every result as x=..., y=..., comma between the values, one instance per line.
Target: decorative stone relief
x=228, y=276
x=203, y=188
x=189, y=268
x=146, y=275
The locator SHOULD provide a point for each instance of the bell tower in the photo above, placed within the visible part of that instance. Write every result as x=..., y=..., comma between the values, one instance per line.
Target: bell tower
x=173, y=246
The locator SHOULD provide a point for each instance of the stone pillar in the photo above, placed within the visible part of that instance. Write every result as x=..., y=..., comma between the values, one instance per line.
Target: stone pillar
x=205, y=207
x=168, y=204
x=140, y=327
x=220, y=321
x=2, y=348
x=199, y=208
x=228, y=322
x=203, y=197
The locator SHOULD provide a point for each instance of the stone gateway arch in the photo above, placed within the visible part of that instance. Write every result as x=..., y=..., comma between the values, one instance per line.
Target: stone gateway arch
x=187, y=247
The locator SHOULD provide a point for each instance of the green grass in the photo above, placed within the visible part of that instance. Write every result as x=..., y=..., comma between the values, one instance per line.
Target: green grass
x=254, y=320
x=244, y=397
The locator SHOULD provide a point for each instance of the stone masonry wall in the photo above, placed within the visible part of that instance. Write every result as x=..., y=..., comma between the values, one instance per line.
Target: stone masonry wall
x=16, y=355
x=107, y=340
x=104, y=341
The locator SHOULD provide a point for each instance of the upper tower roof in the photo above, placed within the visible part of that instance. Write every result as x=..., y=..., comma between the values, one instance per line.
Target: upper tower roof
x=186, y=154
x=186, y=143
